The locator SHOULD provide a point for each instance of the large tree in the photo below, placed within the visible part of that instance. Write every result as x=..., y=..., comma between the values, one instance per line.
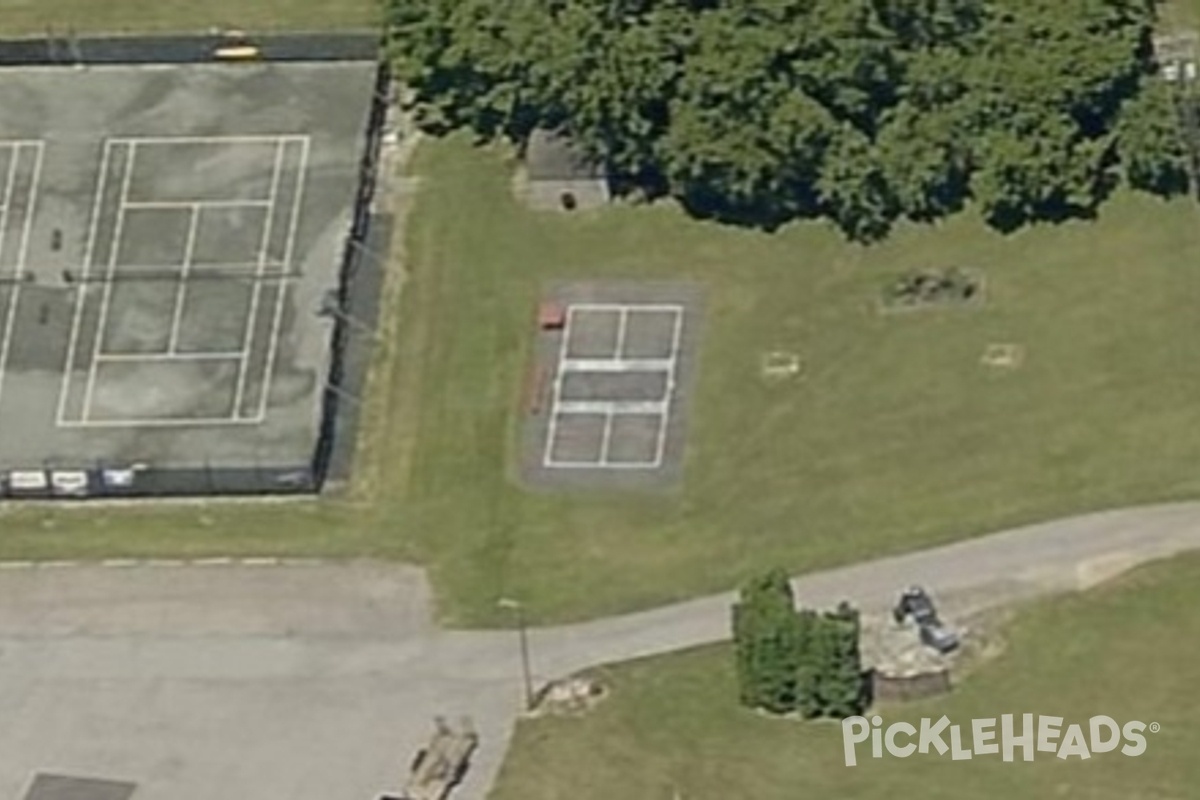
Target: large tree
x=1155, y=155
x=863, y=111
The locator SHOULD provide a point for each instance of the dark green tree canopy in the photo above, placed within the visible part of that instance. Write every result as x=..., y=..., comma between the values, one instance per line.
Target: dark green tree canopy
x=862, y=111
x=765, y=640
x=795, y=661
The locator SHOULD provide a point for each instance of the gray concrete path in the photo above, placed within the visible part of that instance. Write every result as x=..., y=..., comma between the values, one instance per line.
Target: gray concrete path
x=320, y=681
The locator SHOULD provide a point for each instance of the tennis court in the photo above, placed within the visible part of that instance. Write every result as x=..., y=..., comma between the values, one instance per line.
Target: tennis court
x=170, y=236
x=183, y=281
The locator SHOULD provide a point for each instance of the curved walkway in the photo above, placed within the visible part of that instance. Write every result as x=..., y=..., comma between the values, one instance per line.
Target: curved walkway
x=312, y=681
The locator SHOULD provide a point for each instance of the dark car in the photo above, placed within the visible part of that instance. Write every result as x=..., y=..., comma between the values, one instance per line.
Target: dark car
x=916, y=604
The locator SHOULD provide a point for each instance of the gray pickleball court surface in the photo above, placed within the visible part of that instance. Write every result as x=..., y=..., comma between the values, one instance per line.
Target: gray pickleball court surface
x=608, y=401
x=167, y=237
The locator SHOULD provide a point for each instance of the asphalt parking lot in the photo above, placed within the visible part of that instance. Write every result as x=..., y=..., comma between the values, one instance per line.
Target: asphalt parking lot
x=232, y=681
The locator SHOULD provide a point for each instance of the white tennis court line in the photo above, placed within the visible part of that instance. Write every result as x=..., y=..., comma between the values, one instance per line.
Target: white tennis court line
x=81, y=290
x=250, y=268
x=264, y=243
x=254, y=138
x=260, y=271
x=9, y=183
x=133, y=422
x=216, y=355
x=611, y=409
x=186, y=204
x=106, y=296
x=189, y=253
x=281, y=292
x=10, y=316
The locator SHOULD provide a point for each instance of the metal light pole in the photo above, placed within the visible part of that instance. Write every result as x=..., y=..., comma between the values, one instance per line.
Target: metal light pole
x=519, y=610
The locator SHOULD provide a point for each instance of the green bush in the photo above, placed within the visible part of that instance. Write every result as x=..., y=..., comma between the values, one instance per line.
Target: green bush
x=765, y=632
x=789, y=661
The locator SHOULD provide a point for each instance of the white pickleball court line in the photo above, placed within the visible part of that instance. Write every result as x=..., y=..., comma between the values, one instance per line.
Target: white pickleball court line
x=610, y=409
x=665, y=420
x=548, y=459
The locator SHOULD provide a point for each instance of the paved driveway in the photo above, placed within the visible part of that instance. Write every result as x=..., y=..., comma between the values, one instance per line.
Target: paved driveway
x=319, y=682
x=235, y=682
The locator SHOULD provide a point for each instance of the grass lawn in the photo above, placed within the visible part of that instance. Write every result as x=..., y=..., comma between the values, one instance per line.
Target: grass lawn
x=672, y=724
x=32, y=17
x=894, y=438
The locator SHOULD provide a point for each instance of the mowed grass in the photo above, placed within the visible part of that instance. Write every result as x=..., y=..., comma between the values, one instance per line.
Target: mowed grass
x=33, y=17
x=672, y=727
x=894, y=438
